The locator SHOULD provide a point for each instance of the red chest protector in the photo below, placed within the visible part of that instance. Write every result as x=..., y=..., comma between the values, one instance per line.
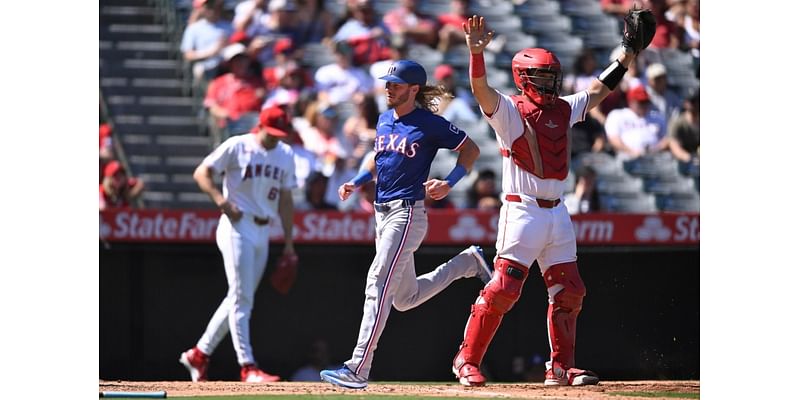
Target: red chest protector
x=544, y=147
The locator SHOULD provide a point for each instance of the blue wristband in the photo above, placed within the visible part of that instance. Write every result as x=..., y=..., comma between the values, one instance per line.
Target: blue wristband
x=362, y=178
x=456, y=174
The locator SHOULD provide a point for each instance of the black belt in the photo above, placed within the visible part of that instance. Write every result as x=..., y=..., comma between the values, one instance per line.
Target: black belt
x=384, y=207
x=261, y=221
x=541, y=202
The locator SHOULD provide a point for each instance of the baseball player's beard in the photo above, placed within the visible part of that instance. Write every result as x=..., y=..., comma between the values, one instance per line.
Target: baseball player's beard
x=397, y=99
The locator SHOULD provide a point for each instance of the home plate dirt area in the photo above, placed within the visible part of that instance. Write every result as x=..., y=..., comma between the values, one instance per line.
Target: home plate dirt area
x=618, y=390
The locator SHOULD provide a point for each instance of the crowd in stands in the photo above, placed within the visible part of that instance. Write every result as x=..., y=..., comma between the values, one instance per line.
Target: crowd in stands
x=252, y=55
x=117, y=188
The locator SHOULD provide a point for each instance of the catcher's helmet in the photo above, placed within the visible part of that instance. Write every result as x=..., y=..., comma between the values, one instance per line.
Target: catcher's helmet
x=526, y=66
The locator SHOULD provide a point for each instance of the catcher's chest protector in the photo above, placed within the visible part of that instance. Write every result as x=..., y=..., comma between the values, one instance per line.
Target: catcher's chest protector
x=544, y=147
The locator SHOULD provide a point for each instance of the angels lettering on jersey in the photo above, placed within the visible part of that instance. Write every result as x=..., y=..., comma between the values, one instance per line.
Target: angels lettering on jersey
x=263, y=171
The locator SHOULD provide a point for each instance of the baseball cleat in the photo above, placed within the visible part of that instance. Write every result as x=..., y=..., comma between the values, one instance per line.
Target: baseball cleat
x=252, y=374
x=196, y=362
x=484, y=272
x=571, y=377
x=469, y=375
x=343, y=377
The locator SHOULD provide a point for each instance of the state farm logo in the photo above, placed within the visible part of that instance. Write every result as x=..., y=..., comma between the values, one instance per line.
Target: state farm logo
x=653, y=229
x=467, y=227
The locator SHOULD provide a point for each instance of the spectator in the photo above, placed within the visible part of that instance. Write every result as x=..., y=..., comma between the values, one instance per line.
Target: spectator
x=690, y=24
x=584, y=198
x=316, y=187
x=668, y=34
x=322, y=137
x=483, y=193
x=618, y=8
x=249, y=12
x=664, y=100
x=204, y=40
x=292, y=79
x=453, y=108
x=360, y=128
x=265, y=33
x=284, y=58
x=306, y=162
x=318, y=359
x=584, y=72
x=314, y=22
x=637, y=129
x=234, y=99
x=106, y=147
x=368, y=36
x=118, y=190
x=684, y=132
x=450, y=32
x=409, y=23
x=339, y=81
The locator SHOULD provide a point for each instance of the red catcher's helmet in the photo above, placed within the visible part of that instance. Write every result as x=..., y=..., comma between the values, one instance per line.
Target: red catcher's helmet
x=527, y=66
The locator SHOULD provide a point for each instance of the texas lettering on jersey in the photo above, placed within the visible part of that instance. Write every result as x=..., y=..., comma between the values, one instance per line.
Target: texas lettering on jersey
x=390, y=143
x=261, y=170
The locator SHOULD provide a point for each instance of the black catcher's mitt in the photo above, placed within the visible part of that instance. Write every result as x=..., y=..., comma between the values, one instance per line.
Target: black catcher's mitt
x=640, y=27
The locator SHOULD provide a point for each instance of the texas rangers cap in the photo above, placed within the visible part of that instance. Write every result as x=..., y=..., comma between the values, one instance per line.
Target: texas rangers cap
x=275, y=121
x=406, y=71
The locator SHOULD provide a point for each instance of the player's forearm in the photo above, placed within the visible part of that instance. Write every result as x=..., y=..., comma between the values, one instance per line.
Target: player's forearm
x=485, y=95
x=202, y=175
x=600, y=88
x=468, y=154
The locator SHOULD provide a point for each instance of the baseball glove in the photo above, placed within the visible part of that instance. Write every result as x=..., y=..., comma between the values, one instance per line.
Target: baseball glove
x=285, y=273
x=640, y=27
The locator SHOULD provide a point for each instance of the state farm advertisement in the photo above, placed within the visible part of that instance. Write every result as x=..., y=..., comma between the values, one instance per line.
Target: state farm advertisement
x=445, y=227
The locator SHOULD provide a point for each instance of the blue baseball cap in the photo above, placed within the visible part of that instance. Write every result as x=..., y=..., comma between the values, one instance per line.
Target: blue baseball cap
x=406, y=71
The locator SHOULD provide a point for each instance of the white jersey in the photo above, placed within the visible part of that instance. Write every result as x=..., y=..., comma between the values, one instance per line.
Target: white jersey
x=508, y=125
x=253, y=176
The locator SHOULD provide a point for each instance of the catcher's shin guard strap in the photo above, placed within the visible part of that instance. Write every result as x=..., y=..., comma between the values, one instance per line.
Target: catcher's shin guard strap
x=612, y=75
x=477, y=67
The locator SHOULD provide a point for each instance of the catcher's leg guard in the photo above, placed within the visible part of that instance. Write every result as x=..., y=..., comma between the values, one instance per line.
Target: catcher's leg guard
x=496, y=299
x=566, y=290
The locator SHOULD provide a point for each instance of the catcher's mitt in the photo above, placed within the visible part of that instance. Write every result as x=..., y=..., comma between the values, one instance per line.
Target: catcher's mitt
x=640, y=27
x=285, y=273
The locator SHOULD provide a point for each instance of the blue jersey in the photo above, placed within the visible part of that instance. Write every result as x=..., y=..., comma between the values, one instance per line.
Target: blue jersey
x=404, y=150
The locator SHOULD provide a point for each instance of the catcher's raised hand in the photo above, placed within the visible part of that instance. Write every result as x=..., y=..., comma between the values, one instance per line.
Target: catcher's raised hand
x=476, y=35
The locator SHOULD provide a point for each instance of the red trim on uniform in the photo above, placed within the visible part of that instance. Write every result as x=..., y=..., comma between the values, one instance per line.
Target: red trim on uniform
x=496, y=107
x=505, y=224
x=585, y=106
x=461, y=144
x=385, y=290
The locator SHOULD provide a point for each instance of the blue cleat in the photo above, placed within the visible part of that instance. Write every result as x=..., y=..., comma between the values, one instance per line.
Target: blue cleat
x=484, y=272
x=343, y=377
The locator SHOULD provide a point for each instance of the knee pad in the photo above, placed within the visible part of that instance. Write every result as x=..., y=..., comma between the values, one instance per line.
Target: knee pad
x=571, y=293
x=505, y=288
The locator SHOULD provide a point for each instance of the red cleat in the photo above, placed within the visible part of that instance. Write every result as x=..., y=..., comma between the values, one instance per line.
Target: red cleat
x=251, y=374
x=196, y=362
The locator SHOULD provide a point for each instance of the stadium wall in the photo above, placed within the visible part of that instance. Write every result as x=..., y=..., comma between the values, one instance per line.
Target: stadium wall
x=640, y=320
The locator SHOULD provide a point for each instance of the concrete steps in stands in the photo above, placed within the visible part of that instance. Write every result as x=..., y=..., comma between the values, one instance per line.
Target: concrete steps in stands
x=155, y=120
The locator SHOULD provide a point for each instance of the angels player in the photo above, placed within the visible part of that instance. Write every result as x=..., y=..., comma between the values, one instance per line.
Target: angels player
x=258, y=173
x=533, y=224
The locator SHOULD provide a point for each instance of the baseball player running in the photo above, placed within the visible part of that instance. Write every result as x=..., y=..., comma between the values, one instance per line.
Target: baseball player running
x=258, y=173
x=533, y=224
x=408, y=136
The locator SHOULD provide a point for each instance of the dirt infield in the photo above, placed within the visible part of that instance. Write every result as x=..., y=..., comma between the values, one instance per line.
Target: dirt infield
x=605, y=390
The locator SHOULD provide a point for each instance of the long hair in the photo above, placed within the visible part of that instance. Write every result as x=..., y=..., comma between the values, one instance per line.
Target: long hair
x=429, y=97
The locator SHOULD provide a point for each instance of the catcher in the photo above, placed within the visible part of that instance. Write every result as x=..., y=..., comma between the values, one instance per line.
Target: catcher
x=534, y=225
